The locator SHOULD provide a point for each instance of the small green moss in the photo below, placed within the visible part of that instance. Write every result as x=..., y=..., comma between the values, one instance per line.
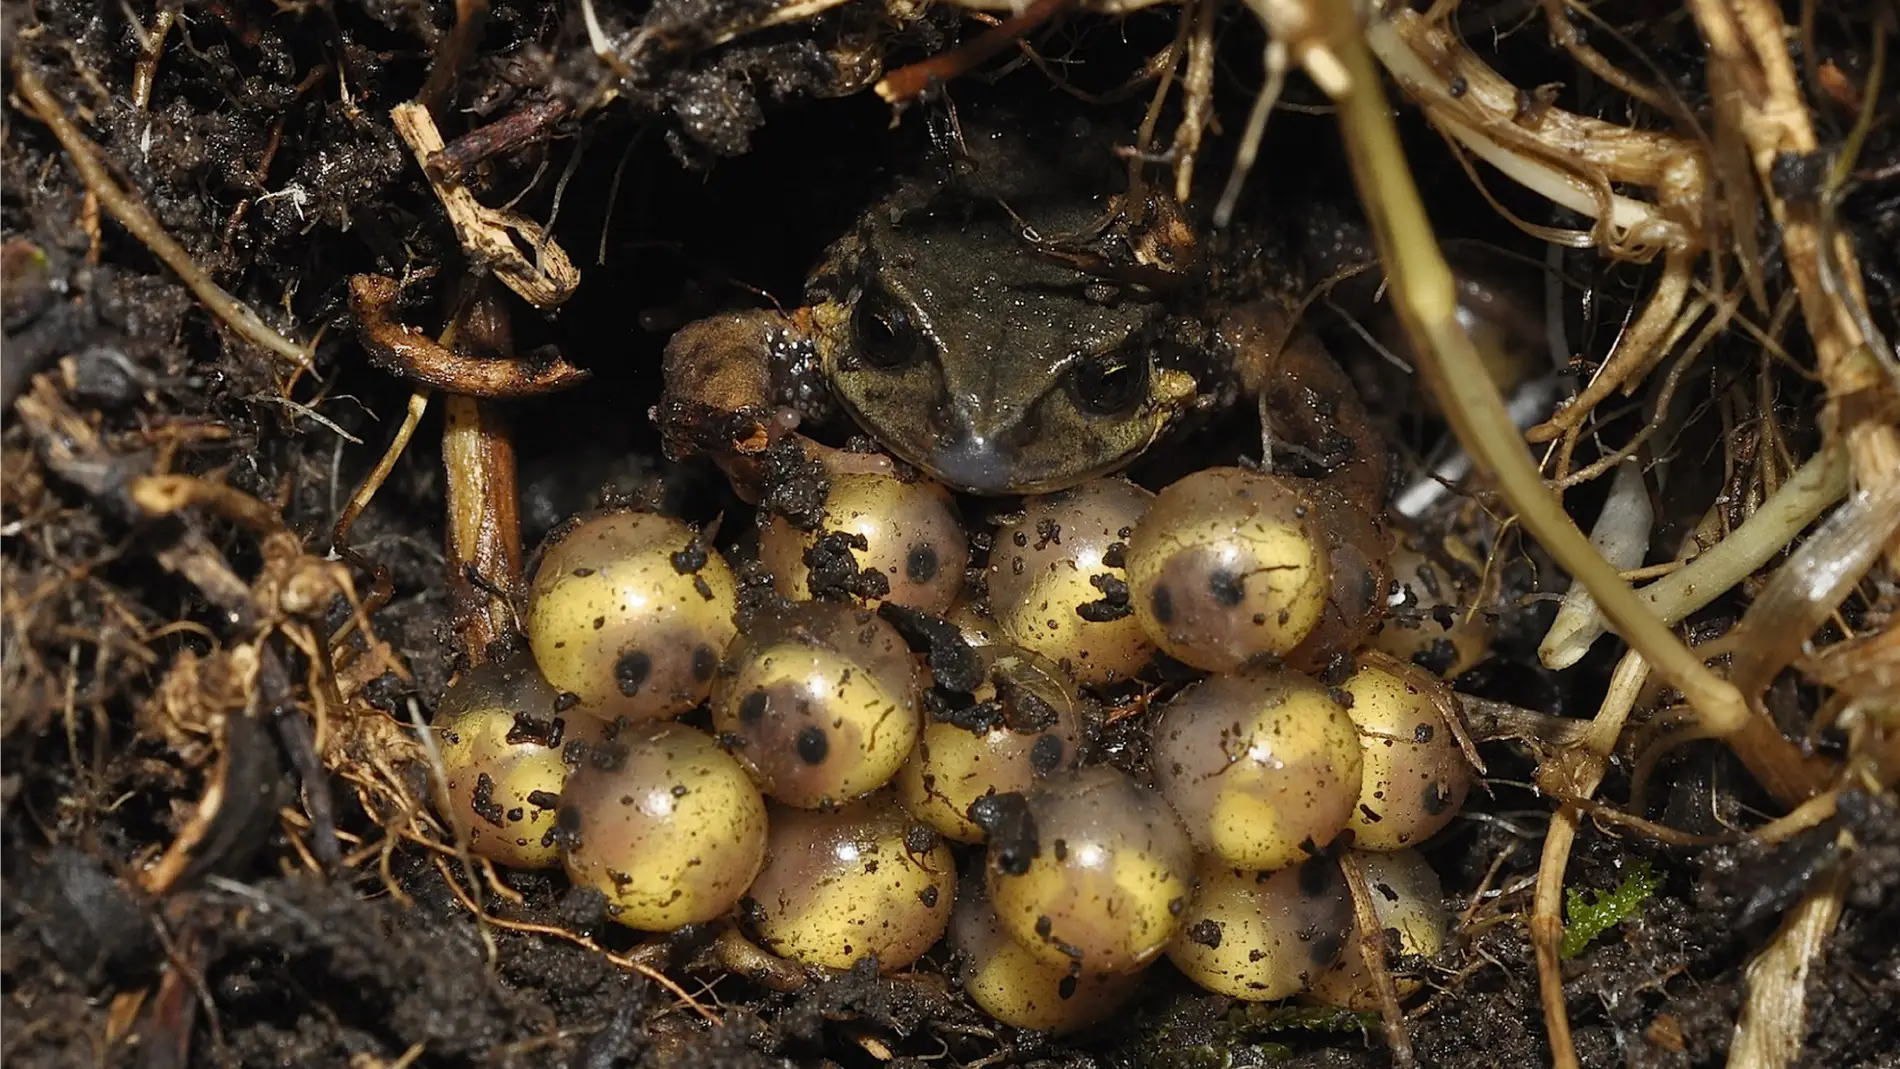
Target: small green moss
x=1591, y=913
x=1265, y=1018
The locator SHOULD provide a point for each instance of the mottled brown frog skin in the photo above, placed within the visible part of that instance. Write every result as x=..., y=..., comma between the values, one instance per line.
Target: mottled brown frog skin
x=1012, y=329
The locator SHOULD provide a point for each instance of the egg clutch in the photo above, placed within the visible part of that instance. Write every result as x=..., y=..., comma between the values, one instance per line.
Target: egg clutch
x=850, y=740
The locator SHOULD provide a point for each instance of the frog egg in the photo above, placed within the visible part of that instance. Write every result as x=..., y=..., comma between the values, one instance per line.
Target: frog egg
x=1262, y=936
x=1263, y=768
x=1035, y=732
x=911, y=536
x=976, y=627
x=1103, y=885
x=1407, y=899
x=843, y=885
x=501, y=736
x=629, y=613
x=1361, y=575
x=821, y=704
x=1416, y=776
x=1429, y=624
x=1018, y=988
x=665, y=824
x=1228, y=567
x=1057, y=585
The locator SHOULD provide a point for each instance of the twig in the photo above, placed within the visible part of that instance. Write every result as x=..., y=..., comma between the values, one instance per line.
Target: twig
x=165, y=494
x=530, y=123
x=1639, y=347
x=905, y=84
x=1371, y=946
x=383, y=588
x=1811, y=584
x=1564, y=34
x=133, y=215
x=151, y=49
x=1567, y=156
x=1274, y=61
x=402, y=351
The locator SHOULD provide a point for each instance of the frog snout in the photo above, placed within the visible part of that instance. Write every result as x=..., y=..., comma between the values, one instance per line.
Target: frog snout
x=973, y=464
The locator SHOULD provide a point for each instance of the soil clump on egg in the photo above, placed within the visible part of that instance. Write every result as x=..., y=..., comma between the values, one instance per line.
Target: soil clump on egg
x=220, y=654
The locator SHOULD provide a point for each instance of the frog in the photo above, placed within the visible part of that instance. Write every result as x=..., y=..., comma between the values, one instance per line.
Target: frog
x=1019, y=320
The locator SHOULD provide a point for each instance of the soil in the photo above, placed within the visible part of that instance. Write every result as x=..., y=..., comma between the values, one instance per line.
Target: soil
x=711, y=177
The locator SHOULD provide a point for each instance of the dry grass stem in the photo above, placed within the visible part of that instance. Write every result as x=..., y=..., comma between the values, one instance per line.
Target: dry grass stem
x=1370, y=940
x=1748, y=45
x=366, y=491
x=492, y=237
x=138, y=221
x=1569, y=159
x=906, y=84
x=1575, y=772
x=1774, y=1017
x=1794, y=505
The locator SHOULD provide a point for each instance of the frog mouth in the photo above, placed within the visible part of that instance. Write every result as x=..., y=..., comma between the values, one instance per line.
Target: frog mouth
x=972, y=464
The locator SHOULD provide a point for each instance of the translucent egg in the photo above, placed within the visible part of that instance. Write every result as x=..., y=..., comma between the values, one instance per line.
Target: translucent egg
x=1262, y=936
x=911, y=537
x=1415, y=775
x=501, y=733
x=1230, y=566
x=1102, y=886
x=1263, y=768
x=665, y=824
x=1407, y=899
x=1030, y=730
x=852, y=883
x=1018, y=988
x=1429, y=623
x=822, y=703
x=976, y=627
x=629, y=613
x=1057, y=582
x=1361, y=575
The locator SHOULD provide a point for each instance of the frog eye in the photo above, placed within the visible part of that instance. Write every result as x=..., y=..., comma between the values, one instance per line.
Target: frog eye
x=886, y=335
x=1109, y=385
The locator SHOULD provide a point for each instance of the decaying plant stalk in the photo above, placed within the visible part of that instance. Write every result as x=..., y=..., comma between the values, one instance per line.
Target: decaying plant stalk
x=492, y=237
x=484, y=528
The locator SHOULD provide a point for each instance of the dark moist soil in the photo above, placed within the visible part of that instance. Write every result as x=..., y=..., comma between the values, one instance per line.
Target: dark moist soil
x=712, y=179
